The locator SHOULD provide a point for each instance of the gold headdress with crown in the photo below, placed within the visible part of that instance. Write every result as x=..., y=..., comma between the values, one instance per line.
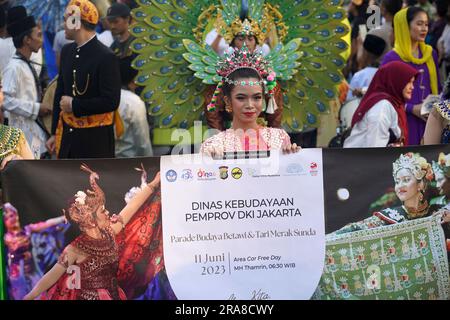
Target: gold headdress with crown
x=176, y=66
x=418, y=166
x=84, y=203
x=244, y=25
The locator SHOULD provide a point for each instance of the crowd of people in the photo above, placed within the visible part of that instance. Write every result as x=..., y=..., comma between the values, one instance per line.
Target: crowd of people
x=94, y=93
x=415, y=32
x=397, y=70
x=94, y=87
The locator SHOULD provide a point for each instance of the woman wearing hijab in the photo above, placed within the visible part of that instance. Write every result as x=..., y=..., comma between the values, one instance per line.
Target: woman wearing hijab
x=380, y=119
x=410, y=29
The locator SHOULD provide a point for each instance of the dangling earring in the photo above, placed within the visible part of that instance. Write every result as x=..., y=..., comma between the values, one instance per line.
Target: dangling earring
x=421, y=195
x=228, y=108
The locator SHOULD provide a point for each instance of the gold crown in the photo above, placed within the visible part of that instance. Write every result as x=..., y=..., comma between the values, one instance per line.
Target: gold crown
x=271, y=21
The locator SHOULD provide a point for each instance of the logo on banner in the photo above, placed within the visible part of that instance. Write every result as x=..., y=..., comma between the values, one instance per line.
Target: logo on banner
x=223, y=172
x=313, y=169
x=252, y=172
x=205, y=175
x=236, y=173
x=187, y=175
x=294, y=169
x=171, y=176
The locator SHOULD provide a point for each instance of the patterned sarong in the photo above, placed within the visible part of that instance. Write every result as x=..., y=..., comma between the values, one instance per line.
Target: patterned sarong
x=402, y=261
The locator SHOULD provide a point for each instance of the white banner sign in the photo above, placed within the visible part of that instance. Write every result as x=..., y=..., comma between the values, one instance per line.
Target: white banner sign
x=244, y=229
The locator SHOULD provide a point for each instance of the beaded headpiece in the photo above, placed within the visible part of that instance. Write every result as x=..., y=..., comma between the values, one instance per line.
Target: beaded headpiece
x=236, y=59
x=443, y=107
x=418, y=166
x=9, y=207
x=9, y=140
x=83, y=204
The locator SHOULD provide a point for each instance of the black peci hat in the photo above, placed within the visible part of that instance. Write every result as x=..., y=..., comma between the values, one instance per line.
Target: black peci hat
x=374, y=44
x=127, y=72
x=118, y=10
x=18, y=22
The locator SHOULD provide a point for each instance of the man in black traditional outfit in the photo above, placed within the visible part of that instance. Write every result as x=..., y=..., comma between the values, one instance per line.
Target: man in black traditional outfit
x=88, y=90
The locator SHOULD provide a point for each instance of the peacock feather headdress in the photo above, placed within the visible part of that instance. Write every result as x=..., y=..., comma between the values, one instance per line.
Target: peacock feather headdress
x=175, y=65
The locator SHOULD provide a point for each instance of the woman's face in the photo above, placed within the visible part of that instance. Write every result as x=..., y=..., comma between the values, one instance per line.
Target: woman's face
x=11, y=219
x=246, y=101
x=102, y=216
x=408, y=89
x=250, y=42
x=406, y=185
x=418, y=28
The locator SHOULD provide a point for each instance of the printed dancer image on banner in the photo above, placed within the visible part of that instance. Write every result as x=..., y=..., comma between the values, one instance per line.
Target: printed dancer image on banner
x=386, y=223
x=125, y=247
x=387, y=238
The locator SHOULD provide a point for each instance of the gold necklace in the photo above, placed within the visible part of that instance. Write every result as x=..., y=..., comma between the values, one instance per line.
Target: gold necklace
x=75, y=90
x=418, y=212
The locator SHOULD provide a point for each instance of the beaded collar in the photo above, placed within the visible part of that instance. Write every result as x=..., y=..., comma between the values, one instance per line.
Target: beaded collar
x=9, y=140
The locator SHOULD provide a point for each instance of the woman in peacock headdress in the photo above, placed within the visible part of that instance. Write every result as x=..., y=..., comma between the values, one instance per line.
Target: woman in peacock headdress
x=243, y=31
x=247, y=79
x=177, y=69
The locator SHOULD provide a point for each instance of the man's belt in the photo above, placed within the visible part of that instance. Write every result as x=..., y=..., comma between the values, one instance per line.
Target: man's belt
x=93, y=121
